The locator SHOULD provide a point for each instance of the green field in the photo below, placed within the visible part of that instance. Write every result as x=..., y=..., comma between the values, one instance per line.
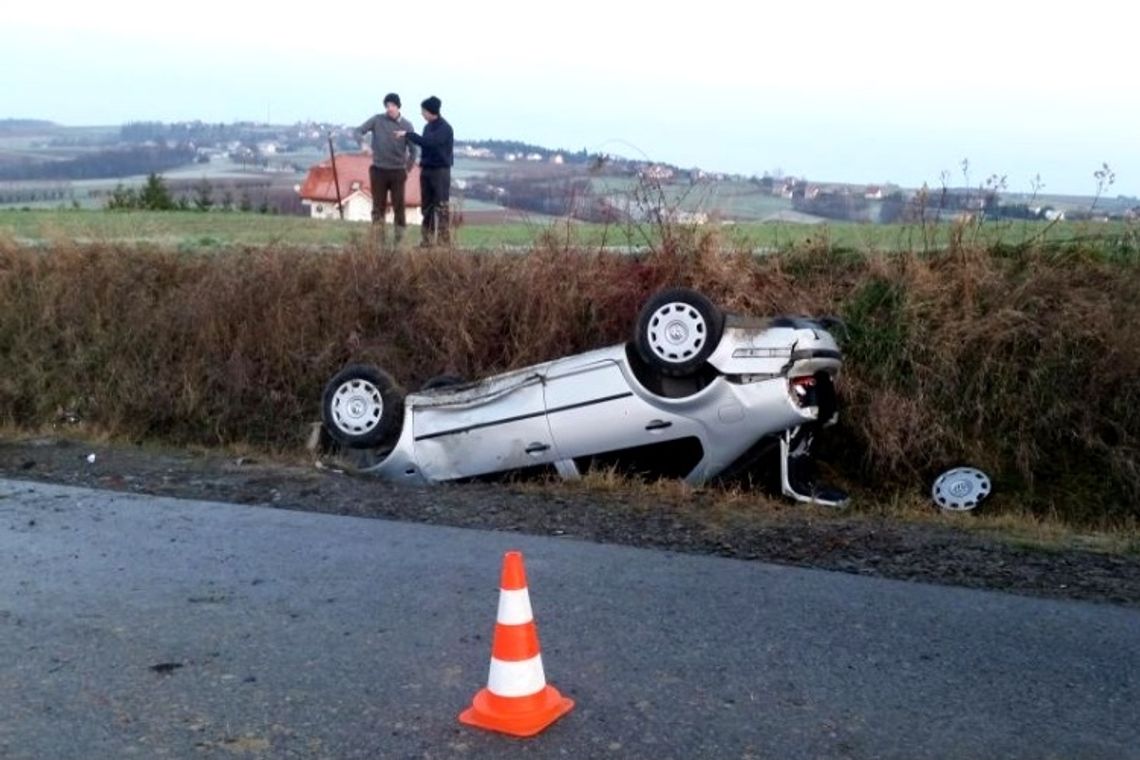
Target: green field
x=733, y=199
x=188, y=229
x=867, y=237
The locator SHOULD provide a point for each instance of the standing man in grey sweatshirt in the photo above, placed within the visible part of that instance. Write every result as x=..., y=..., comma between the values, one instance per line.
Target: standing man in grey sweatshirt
x=392, y=158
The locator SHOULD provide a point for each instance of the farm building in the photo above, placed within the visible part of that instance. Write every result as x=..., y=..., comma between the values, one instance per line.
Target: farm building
x=318, y=192
x=656, y=172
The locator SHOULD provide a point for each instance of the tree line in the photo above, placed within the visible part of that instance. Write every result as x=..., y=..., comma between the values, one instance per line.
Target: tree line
x=156, y=195
x=116, y=162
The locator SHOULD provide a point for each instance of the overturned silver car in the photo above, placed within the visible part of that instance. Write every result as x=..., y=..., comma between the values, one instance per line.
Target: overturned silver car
x=696, y=394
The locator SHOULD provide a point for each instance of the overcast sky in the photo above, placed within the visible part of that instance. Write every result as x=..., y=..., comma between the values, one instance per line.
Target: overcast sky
x=863, y=92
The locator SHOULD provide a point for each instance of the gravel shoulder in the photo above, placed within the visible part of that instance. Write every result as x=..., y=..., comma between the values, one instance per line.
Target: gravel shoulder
x=858, y=544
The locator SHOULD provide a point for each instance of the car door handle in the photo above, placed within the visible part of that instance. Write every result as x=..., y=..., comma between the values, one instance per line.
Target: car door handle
x=537, y=448
x=658, y=425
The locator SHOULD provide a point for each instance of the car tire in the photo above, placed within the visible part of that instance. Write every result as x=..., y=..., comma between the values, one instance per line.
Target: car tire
x=362, y=407
x=677, y=330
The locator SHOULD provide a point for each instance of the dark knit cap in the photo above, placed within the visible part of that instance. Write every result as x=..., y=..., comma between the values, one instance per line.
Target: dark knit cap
x=392, y=98
x=432, y=105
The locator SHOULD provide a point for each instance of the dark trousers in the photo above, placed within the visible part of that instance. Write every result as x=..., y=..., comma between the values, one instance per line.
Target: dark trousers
x=386, y=181
x=435, y=195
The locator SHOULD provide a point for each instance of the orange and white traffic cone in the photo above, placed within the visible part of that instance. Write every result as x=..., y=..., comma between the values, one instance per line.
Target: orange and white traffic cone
x=517, y=700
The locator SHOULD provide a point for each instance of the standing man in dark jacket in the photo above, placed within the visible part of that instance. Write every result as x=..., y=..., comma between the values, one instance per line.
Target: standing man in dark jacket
x=392, y=158
x=438, y=143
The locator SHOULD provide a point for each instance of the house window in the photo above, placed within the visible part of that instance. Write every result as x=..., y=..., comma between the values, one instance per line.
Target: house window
x=320, y=209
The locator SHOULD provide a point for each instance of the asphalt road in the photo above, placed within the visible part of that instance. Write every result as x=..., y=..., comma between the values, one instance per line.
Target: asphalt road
x=289, y=634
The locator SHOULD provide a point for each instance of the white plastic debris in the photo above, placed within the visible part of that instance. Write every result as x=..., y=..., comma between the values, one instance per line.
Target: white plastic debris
x=90, y=459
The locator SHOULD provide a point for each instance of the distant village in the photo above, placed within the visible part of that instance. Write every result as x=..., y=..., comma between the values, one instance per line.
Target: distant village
x=266, y=159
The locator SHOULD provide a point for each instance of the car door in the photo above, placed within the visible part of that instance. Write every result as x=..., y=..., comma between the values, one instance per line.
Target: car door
x=594, y=414
x=498, y=425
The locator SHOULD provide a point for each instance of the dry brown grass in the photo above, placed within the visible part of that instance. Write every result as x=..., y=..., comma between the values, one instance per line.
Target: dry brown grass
x=1024, y=363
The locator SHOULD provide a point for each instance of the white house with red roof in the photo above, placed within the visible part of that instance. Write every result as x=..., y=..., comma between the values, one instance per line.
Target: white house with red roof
x=319, y=190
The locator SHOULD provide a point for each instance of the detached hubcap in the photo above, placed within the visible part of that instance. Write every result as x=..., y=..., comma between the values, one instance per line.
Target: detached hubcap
x=961, y=489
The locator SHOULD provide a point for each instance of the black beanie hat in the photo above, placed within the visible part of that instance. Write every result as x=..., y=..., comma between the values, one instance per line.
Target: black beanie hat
x=432, y=105
x=392, y=98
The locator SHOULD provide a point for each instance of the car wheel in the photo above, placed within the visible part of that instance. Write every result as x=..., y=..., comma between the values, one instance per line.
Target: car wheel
x=443, y=381
x=362, y=407
x=677, y=331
